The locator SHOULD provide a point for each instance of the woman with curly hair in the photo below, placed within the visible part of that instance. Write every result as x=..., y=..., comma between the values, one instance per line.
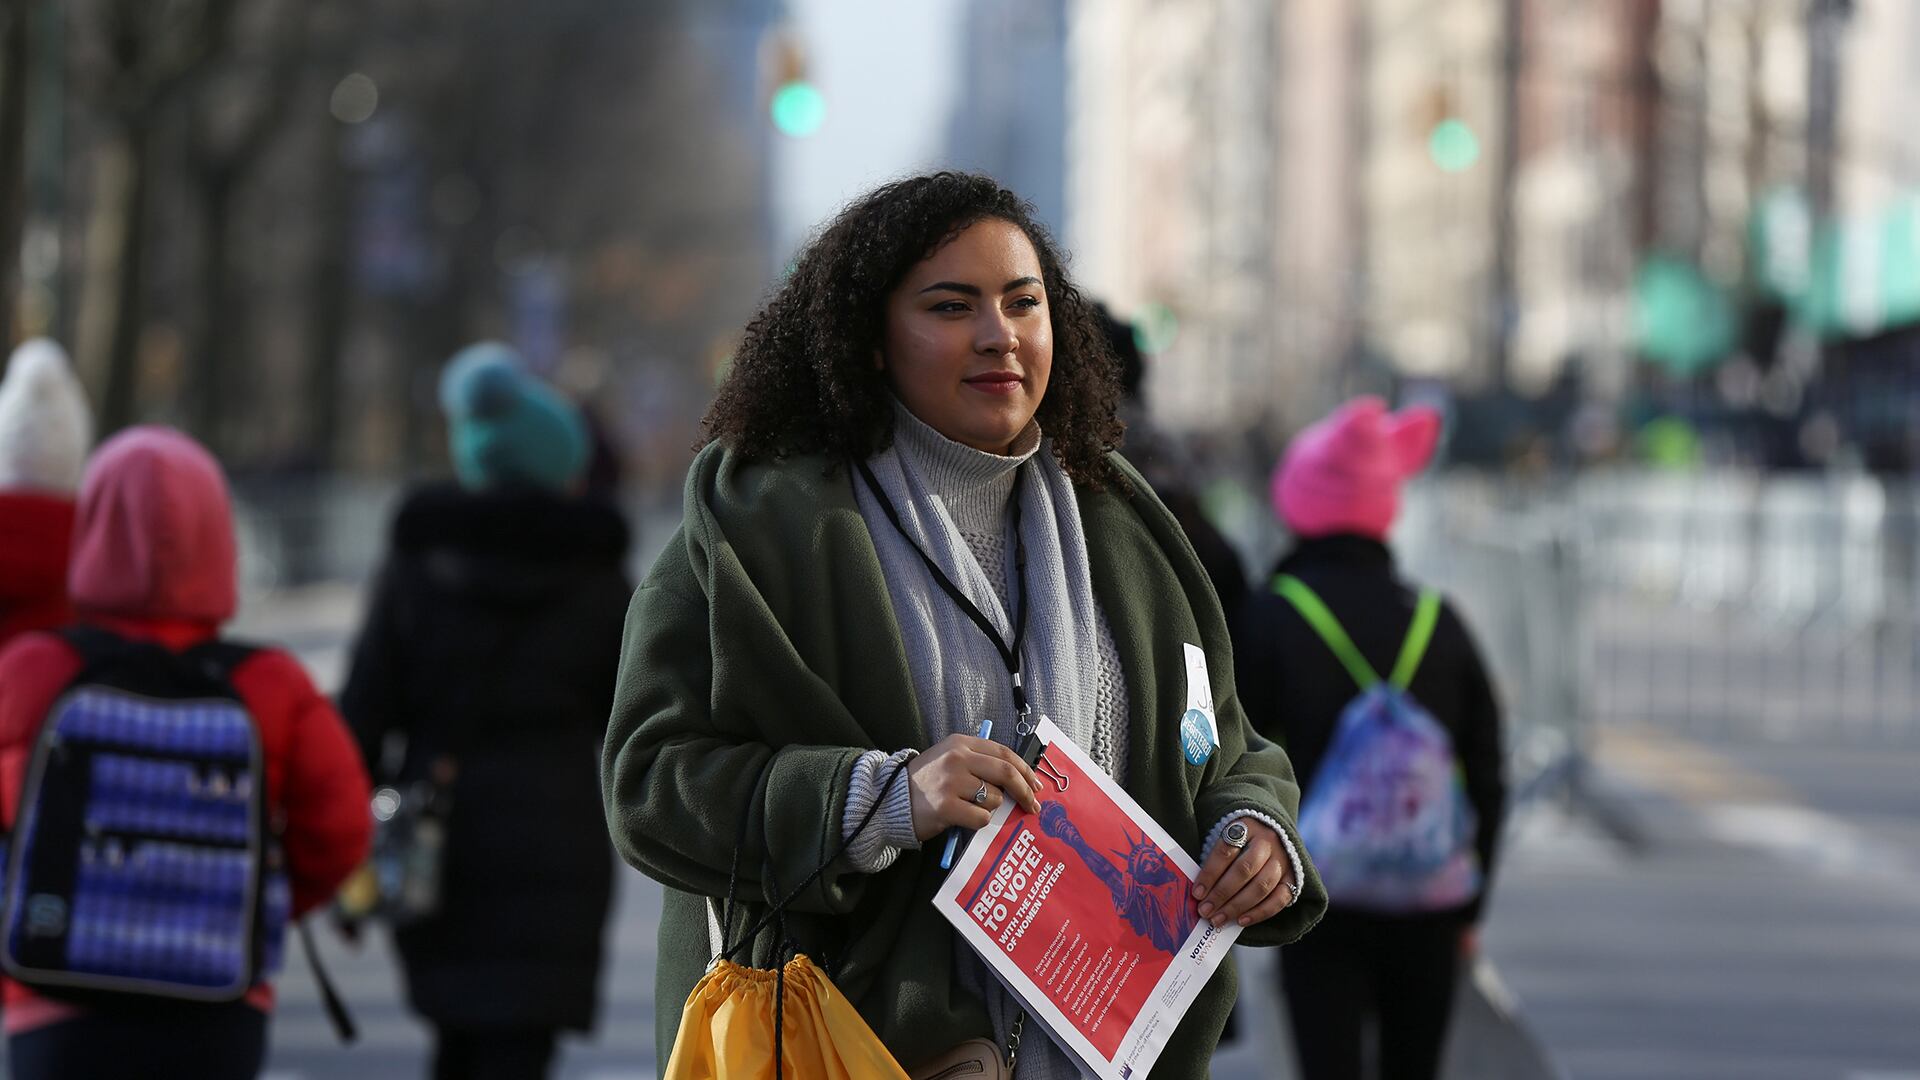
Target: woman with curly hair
x=909, y=518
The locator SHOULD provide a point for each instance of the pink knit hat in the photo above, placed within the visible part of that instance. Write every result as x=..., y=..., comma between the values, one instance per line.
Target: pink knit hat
x=154, y=538
x=1343, y=474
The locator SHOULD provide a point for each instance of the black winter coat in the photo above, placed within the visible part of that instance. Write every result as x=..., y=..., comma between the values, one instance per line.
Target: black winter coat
x=494, y=638
x=1294, y=688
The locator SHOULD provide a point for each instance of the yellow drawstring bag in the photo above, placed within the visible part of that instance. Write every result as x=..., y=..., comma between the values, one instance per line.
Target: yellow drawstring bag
x=744, y=1023
x=737, y=1016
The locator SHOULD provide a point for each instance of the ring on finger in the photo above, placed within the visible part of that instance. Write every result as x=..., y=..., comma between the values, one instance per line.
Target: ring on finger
x=980, y=797
x=1237, y=835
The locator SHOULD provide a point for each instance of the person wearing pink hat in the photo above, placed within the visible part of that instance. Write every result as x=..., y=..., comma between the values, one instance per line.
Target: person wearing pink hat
x=154, y=570
x=1337, y=491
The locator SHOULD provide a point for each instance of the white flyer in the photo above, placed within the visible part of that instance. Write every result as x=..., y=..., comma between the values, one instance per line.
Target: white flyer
x=1085, y=912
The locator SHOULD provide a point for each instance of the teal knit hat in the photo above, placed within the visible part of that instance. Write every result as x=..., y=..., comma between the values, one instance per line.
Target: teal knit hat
x=506, y=428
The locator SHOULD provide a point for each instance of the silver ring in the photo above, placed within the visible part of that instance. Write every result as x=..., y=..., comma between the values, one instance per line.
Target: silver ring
x=980, y=796
x=1236, y=835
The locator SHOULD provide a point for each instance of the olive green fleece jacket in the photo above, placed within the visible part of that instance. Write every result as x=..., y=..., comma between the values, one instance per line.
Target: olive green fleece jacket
x=763, y=641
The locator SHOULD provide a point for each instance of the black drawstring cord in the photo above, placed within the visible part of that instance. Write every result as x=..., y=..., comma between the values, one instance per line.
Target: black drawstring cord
x=747, y=935
x=778, y=912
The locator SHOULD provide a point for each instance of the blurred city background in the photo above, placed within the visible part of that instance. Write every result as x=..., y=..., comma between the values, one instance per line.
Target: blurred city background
x=1657, y=260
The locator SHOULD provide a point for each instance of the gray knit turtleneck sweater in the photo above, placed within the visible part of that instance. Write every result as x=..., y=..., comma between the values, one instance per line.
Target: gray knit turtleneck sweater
x=974, y=488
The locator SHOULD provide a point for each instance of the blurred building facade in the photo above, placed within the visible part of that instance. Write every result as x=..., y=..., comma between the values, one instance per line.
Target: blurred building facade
x=1433, y=226
x=1652, y=203
x=1173, y=193
x=1585, y=113
x=1009, y=108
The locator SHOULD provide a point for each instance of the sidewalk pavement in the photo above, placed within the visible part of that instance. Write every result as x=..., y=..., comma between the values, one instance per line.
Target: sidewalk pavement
x=1490, y=1039
x=1754, y=938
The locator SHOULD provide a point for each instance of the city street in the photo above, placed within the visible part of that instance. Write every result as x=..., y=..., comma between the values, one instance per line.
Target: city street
x=317, y=622
x=395, y=1044
x=1767, y=930
x=1598, y=321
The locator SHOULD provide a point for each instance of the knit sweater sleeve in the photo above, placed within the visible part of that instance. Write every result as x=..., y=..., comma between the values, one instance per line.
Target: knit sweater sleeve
x=1286, y=838
x=890, y=831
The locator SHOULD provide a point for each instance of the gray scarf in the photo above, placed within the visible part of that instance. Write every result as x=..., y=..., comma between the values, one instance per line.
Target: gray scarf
x=959, y=677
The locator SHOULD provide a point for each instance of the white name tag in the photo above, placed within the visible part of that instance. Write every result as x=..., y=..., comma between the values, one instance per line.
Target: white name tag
x=1199, y=734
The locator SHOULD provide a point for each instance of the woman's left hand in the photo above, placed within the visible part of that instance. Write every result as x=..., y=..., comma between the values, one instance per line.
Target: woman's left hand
x=1246, y=885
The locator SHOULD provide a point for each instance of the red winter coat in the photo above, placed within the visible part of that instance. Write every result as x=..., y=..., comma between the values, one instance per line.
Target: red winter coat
x=36, y=530
x=154, y=559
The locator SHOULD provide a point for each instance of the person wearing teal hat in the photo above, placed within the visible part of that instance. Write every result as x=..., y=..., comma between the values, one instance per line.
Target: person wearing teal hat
x=505, y=427
x=490, y=650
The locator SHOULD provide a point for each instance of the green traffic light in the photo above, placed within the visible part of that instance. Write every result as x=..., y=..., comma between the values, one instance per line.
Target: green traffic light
x=798, y=109
x=1453, y=146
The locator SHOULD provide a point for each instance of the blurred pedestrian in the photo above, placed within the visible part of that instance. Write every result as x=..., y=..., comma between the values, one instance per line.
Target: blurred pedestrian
x=1169, y=469
x=45, y=432
x=489, y=652
x=909, y=520
x=152, y=581
x=1390, y=960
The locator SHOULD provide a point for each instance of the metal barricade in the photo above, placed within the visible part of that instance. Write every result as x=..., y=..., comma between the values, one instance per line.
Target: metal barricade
x=1723, y=605
x=1743, y=607
x=1508, y=567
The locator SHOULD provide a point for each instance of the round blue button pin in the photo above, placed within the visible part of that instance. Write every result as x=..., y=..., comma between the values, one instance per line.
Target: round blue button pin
x=1196, y=737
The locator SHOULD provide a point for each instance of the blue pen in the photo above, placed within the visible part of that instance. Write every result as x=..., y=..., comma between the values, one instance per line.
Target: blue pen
x=953, y=834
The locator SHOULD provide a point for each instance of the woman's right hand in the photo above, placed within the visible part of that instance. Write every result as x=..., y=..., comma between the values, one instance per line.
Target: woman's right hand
x=944, y=779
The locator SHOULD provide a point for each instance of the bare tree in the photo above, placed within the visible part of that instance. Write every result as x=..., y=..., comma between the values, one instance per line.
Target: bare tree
x=15, y=30
x=240, y=103
x=593, y=141
x=134, y=58
x=329, y=273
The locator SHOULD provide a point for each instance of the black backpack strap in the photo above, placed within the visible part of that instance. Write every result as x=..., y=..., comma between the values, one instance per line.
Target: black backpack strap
x=214, y=659
x=778, y=905
x=336, y=1007
x=96, y=645
x=219, y=657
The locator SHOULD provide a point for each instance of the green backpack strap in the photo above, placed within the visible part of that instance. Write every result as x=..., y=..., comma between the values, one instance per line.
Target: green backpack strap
x=1312, y=609
x=1425, y=617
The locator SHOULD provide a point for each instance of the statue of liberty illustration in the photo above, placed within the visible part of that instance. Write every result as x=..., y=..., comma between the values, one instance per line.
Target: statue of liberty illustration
x=1148, y=893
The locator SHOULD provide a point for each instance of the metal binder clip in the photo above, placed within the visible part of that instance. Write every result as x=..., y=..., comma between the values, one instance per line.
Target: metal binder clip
x=1051, y=771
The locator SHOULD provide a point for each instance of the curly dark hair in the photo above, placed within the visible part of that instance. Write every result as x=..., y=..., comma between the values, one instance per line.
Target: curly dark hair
x=804, y=381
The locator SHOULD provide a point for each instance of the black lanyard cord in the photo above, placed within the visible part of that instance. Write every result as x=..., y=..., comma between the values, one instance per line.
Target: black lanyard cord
x=1010, y=655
